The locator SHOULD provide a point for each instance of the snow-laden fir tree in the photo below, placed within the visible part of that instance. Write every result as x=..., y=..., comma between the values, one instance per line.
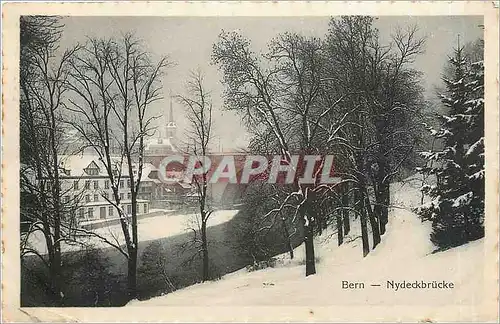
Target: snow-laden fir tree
x=456, y=208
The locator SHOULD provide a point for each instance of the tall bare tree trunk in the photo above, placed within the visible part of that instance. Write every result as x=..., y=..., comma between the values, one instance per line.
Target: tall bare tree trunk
x=309, y=245
x=362, y=218
x=364, y=234
x=56, y=196
x=132, y=260
x=132, y=273
x=340, y=229
x=384, y=209
x=373, y=221
x=345, y=212
x=204, y=248
x=359, y=197
x=288, y=242
x=308, y=238
x=381, y=187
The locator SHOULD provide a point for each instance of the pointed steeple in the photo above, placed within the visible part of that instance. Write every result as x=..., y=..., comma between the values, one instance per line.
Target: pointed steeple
x=171, y=125
x=171, y=113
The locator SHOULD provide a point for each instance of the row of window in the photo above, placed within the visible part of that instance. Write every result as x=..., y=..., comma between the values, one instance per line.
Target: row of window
x=89, y=211
x=95, y=171
x=92, y=171
x=76, y=184
x=96, y=197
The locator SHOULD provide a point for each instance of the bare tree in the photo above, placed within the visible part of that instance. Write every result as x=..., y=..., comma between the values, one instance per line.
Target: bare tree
x=279, y=97
x=113, y=83
x=198, y=106
x=335, y=97
x=385, y=130
x=397, y=114
x=42, y=78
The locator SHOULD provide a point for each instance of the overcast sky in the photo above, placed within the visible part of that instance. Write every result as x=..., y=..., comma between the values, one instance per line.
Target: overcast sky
x=188, y=42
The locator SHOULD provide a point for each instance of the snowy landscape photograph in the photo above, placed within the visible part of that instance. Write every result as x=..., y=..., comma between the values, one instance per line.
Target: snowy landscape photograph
x=334, y=160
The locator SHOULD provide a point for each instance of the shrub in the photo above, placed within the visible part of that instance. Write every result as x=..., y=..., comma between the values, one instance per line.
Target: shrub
x=89, y=280
x=317, y=259
x=152, y=271
x=259, y=265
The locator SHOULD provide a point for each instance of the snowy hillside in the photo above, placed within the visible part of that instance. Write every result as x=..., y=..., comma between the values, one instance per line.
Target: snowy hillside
x=404, y=254
x=149, y=229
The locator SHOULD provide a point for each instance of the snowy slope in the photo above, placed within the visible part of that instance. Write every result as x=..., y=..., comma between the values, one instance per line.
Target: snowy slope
x=149, y=229
x=404, y=254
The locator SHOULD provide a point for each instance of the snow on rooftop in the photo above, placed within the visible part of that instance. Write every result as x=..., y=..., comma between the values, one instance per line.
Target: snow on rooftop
x=162, y=143
x=79, y=162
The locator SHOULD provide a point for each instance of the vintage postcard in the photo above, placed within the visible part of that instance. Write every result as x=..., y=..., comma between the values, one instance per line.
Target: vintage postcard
x=250, y=161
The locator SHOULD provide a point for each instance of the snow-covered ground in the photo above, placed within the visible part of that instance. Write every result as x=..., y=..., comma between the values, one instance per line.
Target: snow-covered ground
x=148, y=229
x=107, y=220
x=404, y=254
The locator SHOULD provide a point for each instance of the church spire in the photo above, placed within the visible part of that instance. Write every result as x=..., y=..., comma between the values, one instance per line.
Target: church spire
x=171, y=112
x=171, y=125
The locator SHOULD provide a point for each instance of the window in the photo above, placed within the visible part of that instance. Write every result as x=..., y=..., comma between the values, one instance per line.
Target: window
x=96, y=197
x=87, y=184
x=90, y=212
x=129, y=195
x=81, y=213
x=96, y=184
x=75, y=185
x=66, y=199
x=145, y=208
x=110, y=211
x=102, y=212
x=106, y=195
x=92, y=171
x=121, y=195
x=129, y=209
x=106, y=184
x=87, y=198
x=128, y=183
x=121, y=183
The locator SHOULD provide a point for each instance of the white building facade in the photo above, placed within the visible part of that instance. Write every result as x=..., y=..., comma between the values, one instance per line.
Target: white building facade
x=85, y=182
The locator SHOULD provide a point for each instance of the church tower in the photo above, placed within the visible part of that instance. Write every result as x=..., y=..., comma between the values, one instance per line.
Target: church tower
x=166, y=143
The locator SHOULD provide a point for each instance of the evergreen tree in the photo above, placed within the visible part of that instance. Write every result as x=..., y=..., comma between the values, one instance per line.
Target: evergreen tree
x=474, y=156
x=457, y=206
